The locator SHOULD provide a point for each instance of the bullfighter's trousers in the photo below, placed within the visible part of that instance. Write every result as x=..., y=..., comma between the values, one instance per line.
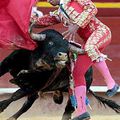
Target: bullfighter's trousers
x=96, y=42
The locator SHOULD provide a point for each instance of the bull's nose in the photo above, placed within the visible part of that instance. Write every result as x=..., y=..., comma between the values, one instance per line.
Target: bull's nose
x=62, y=56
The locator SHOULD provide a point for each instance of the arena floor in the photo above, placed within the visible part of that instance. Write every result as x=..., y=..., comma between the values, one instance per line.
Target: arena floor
x=95, y=117
x=45, y=109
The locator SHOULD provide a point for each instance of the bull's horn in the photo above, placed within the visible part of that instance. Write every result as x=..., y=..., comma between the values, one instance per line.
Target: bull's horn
x=76, y=48
x=38, y=37
x=35, y=36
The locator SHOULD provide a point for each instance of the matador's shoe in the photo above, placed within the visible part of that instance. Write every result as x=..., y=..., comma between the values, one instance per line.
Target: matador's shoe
x=112, y=91
x=84, y=116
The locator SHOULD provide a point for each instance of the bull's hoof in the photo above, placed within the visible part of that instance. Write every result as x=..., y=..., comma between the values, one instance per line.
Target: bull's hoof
x=11, y=118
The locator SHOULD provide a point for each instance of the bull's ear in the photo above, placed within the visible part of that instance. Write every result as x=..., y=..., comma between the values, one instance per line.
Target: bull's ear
x=38, y=37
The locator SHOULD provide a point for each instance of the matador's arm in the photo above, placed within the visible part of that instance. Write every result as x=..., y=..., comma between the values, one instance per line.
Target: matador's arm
x=47, y=20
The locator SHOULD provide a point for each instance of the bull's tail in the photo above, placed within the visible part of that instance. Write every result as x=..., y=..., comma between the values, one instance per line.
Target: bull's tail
x=106, y=102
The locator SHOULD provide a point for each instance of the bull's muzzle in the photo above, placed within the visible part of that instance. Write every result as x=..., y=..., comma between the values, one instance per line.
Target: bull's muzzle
x=61, y=56
x=61, y=59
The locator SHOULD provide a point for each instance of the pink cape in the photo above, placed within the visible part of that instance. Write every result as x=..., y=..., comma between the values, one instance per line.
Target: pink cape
x=14, y=23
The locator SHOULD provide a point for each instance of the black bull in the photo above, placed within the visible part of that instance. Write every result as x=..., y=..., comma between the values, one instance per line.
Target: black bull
x=44, y=69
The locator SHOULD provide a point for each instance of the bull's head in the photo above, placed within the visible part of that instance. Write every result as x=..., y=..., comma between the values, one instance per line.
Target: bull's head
x=52, y=50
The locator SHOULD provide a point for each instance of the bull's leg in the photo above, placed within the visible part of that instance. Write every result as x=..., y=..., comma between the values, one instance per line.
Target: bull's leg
x=68, y=111
x=25, y=106
x=17, y=95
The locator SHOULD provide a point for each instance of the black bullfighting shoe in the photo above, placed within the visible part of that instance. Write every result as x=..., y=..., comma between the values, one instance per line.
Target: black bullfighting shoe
x=84, y=116
x=112, y=91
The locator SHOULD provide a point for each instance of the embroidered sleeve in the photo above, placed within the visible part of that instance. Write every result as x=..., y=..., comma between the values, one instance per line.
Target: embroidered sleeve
x=47, y=20
x=88, y=11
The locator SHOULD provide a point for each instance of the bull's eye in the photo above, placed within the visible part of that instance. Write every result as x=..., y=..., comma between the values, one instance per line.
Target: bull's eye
x=51, y=43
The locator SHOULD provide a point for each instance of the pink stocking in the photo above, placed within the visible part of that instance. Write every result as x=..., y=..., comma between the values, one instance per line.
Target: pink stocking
x=103, y=69
x=80, y=93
